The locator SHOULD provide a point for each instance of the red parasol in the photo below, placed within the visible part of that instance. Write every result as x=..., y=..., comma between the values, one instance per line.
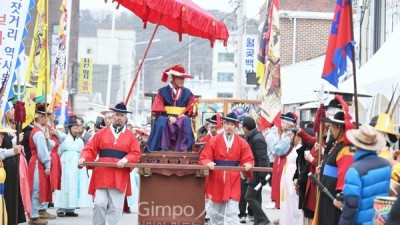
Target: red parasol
x=180, y=16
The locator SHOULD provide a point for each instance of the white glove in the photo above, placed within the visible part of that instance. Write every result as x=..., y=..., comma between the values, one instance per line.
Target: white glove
x=122, y=162
x=211, y=165
x=247, y=166
x=80, y=162
x=308, y=157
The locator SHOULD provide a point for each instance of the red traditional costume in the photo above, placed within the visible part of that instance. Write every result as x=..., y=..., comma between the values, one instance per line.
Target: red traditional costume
x=225, y=185
x=107, y=146
x=55, y=171
x=45, y=194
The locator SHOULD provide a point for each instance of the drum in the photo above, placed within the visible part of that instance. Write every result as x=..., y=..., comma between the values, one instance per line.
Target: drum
x=382, y=207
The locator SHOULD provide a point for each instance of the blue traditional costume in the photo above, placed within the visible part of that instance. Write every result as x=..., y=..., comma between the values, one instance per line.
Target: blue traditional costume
x=172, y=101
x=74, y=182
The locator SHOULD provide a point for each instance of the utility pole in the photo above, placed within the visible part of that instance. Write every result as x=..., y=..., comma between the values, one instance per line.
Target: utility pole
x=239, y=48
x=110, y=62
x=379, y=22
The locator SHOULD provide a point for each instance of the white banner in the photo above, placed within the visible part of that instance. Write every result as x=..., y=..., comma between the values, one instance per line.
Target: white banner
x=13, y=20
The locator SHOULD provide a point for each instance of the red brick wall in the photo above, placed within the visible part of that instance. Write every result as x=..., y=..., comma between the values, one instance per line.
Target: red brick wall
x=311, y=39
x=308, y=5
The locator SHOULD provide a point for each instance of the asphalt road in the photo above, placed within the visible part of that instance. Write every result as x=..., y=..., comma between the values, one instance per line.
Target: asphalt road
x=85, y=215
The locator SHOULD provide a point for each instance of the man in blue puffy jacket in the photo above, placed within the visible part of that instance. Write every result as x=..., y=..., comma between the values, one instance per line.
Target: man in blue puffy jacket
x=367, y=178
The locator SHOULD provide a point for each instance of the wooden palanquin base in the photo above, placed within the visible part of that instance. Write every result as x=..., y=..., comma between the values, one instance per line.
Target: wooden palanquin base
x=171, y=196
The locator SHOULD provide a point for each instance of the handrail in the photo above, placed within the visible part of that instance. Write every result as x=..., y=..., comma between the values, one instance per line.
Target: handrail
x=177, y=166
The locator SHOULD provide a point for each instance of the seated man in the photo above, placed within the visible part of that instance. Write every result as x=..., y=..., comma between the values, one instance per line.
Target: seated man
x=172, y=128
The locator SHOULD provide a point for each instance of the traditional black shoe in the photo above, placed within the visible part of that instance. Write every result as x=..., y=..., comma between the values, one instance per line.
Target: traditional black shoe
x=60, y=214
x=71, y=214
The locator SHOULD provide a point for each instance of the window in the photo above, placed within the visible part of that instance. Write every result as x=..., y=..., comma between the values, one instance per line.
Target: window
x=224, y=95
x=226, y=57
x=225, y=77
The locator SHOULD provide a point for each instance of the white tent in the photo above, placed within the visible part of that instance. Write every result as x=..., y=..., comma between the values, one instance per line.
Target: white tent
x=300, y=81
x=382, y=72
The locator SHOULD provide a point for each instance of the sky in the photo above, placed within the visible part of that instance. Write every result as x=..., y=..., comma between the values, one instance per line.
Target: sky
x=252, y=6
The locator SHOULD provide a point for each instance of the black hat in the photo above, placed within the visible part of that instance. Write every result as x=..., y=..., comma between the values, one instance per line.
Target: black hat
x=72, y=121
x=248, y=122
x=333, y=104
x=230, y=117
x=41, y=110
x=121, y=108
x=374, y=121
x=212, y=119
x=289, y=117
x=337, y=119
x=99, y=122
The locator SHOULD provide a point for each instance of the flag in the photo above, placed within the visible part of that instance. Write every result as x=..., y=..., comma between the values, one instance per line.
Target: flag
x=262, y=51
x=340, y=43
x=59, y=75
x=13, y=19
x=271, y=98
x=38, y=64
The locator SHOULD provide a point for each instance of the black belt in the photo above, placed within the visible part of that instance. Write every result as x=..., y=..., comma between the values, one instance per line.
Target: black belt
x=111, y=153
x=226, y=163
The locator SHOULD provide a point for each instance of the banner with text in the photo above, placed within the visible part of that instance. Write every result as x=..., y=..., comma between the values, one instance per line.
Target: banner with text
x=85, y=75
x=14, y=15
x=249, y=56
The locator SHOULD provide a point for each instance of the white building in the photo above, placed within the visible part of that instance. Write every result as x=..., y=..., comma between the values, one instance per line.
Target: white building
x=118, y=52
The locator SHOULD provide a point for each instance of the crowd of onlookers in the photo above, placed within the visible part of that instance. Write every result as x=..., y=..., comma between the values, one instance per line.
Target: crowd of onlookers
x=358, y=168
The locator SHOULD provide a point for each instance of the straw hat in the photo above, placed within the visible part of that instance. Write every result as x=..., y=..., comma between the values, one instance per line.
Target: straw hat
x=6, y=129
x=366, y=138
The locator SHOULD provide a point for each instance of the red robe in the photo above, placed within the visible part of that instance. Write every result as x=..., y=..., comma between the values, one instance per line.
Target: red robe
x=45, y=194
x=55, y=171
x=111, y=177
x=206, y=138
x=311, y=190
x=217, y=190
x=279, y=163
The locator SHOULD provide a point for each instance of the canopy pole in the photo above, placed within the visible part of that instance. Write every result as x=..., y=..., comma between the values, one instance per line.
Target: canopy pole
x=142, y=61
x=353, y=60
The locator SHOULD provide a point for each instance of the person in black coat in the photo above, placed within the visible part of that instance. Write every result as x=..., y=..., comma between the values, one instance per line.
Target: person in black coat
x=25, y=141
x=11, y=190
x=259, y=148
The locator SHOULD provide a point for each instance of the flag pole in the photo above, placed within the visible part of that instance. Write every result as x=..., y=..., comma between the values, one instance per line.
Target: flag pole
x=353, y=60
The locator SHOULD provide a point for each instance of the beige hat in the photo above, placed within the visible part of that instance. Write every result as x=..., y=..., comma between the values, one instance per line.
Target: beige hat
x=366, y=138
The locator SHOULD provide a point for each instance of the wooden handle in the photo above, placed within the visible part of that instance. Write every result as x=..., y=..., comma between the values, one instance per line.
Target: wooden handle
x=178, y=166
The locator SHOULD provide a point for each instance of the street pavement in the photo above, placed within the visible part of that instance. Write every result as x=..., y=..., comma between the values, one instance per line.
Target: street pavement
x=85, y=215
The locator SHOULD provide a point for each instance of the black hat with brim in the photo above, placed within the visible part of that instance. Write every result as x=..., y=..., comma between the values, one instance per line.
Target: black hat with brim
x=99, y=122
x=333, y=104
x=337, y=119
x=232, y=117
x=289, y=117
x=212, y=120
x=72, y=121
x=121, y=108
x=40, y=109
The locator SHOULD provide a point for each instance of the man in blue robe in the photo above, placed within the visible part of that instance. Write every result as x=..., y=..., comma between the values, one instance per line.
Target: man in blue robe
x=172, y=129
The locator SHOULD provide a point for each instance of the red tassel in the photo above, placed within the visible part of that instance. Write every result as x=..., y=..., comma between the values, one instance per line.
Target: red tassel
x=348, y=125
x=20, y=114
x=219, y=121
x=320, y=114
